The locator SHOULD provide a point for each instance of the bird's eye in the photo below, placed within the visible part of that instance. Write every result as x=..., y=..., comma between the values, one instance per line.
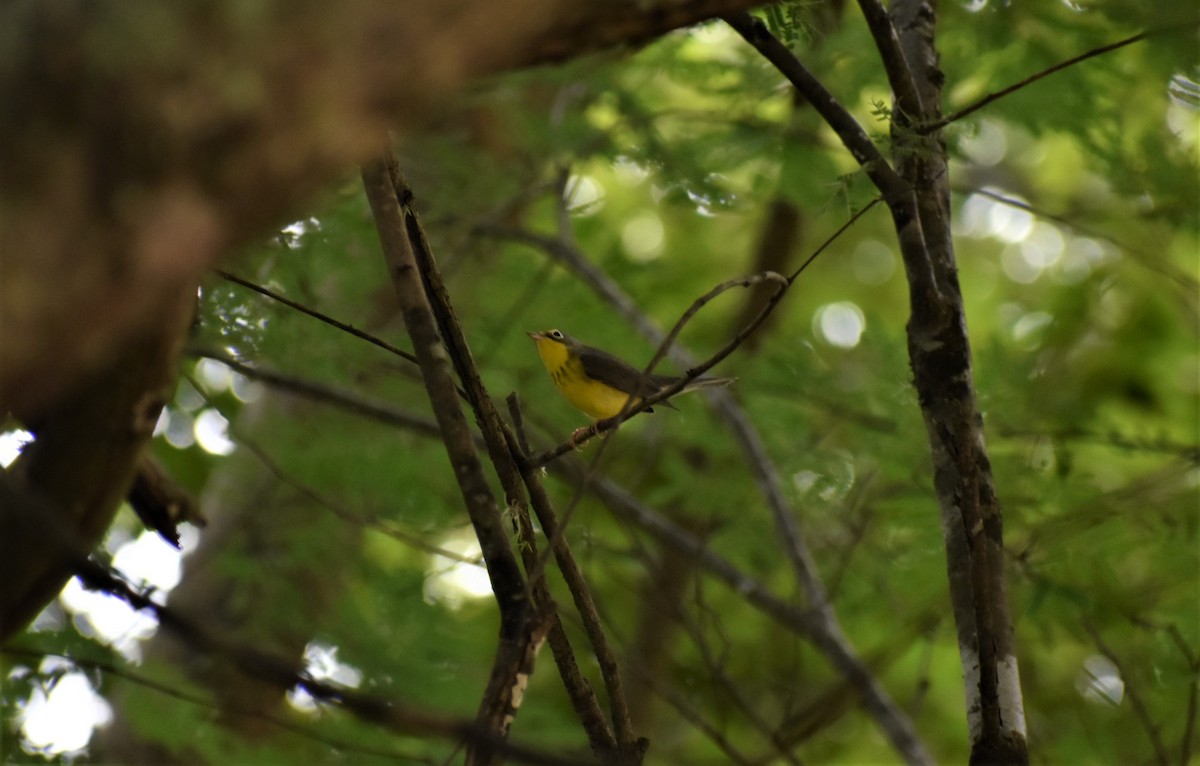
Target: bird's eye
x=556, y=335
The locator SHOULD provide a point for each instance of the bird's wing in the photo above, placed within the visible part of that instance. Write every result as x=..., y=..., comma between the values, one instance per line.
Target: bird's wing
x=603, y=366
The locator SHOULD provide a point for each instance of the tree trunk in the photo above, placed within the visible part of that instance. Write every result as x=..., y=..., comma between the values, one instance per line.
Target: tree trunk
x=940, y=354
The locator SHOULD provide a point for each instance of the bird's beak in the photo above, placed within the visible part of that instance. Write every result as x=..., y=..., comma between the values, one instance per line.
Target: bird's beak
x=536, y=335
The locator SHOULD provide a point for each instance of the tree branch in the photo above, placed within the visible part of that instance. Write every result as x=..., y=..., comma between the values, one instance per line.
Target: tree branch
x=910, y=110
x=820, y=623
x=618, y=744
x=36, y=512
x=516, y=620
x=937, y=125
x=86, y=450
x=346, y=328
x=940, y=356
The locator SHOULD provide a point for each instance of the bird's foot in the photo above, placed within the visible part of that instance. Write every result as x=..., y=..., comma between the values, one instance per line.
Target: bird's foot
x=577, y=434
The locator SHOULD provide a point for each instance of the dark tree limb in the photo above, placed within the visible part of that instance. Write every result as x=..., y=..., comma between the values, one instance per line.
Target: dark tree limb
x=917, y=193
x=87, y=448
x=616, y=744
x=507, y=582
x=897, y=192
x=940, y=355
x=33, y=510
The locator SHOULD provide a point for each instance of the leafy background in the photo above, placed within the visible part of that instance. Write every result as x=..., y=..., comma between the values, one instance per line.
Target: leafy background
x=1077, y=237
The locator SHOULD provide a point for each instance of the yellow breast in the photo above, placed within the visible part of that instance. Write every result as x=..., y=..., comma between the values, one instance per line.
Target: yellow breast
x=594, y=398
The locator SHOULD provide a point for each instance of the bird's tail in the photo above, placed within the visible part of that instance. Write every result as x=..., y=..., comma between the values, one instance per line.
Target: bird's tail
x=708, y=383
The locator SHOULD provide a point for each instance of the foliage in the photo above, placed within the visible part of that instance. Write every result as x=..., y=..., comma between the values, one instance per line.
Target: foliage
x=1077, y=237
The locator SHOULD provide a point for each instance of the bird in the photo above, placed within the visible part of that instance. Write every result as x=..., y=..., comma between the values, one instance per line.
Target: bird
x=599, y=383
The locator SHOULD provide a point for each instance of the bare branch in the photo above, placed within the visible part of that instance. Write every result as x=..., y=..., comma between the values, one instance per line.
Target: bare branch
x=619, y=742
x=981, y=103
x=908, y=99
x=319, y=392
x=346, y=328
x=517, y=633
x=851, y=134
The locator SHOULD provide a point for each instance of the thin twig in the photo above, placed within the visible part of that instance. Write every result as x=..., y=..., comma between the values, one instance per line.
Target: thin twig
x=346, y=328
x=319, y=392
x=961, y=113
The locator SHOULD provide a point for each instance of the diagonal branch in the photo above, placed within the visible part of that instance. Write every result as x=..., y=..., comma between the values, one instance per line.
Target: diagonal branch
x=851, y=134
x=346, y=328
x=617, y=742
x=996, y=96
x=518, y=631
x=898, y=193
x=908, y=98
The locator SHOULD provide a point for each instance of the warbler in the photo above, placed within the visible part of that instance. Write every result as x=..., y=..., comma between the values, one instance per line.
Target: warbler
x=599, y=383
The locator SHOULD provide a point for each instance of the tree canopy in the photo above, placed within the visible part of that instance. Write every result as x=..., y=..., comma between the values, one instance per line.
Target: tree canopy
x=603, y=194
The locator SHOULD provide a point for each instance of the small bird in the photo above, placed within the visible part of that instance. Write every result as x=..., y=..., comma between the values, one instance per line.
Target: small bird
x=599, y=383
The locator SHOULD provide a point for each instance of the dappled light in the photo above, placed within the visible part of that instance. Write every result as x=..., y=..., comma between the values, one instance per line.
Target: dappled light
x=840, y=324
x=537, y=384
